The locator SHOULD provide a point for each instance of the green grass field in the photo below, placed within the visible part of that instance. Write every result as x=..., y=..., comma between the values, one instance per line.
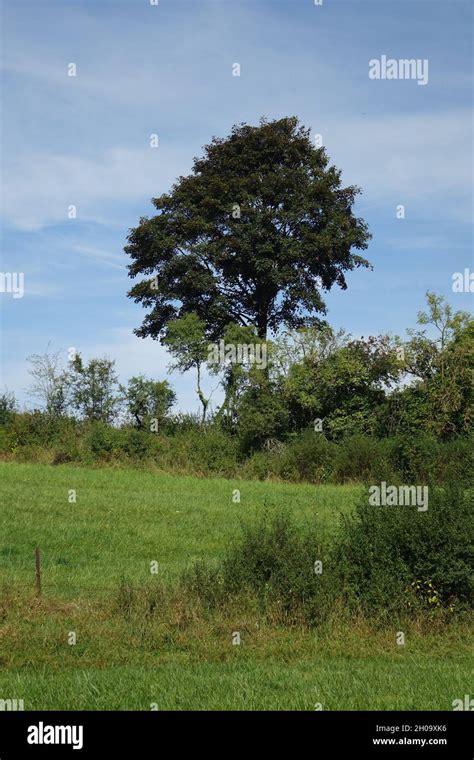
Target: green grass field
x=122, y=521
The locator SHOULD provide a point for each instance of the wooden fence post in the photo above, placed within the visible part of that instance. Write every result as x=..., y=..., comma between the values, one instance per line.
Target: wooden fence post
x=38, y=570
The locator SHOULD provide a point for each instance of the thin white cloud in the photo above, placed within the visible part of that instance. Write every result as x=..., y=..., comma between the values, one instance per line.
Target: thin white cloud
x=423, y=243
x=421, y=160
x=159, y=71
x=108, y=258
x=40, y=189
x=411, y=159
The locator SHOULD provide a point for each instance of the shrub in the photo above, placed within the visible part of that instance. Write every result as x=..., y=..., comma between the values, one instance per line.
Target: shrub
x=102, y=440
x=136, y=443
x=260, y=465
x=394, y=557
x=5, y=442
x=65, y=455
x=309, y=457
x=262, y=415
x=414, y=457
x=183, y=445
x=386, y=562
x=204, y=451
x=8, y=407
x=360, y=458
x=455, y=460
x=275, y=562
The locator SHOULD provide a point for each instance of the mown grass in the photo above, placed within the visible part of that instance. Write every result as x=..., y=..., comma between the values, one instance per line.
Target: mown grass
x=170, y=653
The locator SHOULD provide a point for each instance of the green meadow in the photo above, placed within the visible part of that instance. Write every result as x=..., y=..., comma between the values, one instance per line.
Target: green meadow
x=100, y=529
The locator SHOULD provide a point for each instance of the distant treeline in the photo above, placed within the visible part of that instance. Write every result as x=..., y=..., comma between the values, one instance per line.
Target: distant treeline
x=323, y=406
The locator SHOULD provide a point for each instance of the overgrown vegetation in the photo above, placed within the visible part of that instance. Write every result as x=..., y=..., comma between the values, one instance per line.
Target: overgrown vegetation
x=185, y=447
x=386, y=563
x=327, y=408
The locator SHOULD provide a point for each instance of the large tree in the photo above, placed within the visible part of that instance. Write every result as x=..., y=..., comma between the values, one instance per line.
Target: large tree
x=251, y=236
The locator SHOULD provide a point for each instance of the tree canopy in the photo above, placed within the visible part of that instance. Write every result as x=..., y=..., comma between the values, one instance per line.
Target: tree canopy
x=252, y=236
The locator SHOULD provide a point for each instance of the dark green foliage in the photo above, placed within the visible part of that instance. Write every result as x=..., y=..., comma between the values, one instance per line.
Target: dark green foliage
x=103, y=441
x=362, y=458
x=8, y=407
x=387, y=562
x=205, y=451
x=184, y=445
x=393, y=558
x=245, y=237
x=306, y=457
x=262, y=416
x=416, y=456
x=340, y=381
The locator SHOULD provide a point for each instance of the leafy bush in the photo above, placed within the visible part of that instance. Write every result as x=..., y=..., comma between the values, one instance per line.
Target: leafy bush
x=415, y=456
x=103, y=440
x=275, y=562
x=203, y=451
x=386, y=562
x=184, y=445
x=395, y=557
x=308, y=456
x=262, y=415
x=8, y=407
x=360, y=458
x=137, y=443
x=454, y=460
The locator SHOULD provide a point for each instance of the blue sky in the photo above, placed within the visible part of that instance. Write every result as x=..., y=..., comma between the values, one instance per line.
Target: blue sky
x=167, y=69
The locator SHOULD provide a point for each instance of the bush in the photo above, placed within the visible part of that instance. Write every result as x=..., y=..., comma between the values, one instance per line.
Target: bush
x=394, y=558
x=260, y=466
x=387, y=562
x=103, y=441
x=455, y=460
x=415, y=457
x=309, y=457
x=275, y=562
x=203, y=451
x=360, y=458
x=137, y=444
x=262, y=415
x=183, y=445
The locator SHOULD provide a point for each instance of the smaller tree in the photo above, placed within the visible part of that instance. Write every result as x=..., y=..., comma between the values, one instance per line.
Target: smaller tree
x=148, y=401
x=52, y=383
x=262, y=414
x=186, y=341
x=427, y=356
x=341, y=381
x=94, y=388
x=442, y=368
x=241, y=362
x=8, y=406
